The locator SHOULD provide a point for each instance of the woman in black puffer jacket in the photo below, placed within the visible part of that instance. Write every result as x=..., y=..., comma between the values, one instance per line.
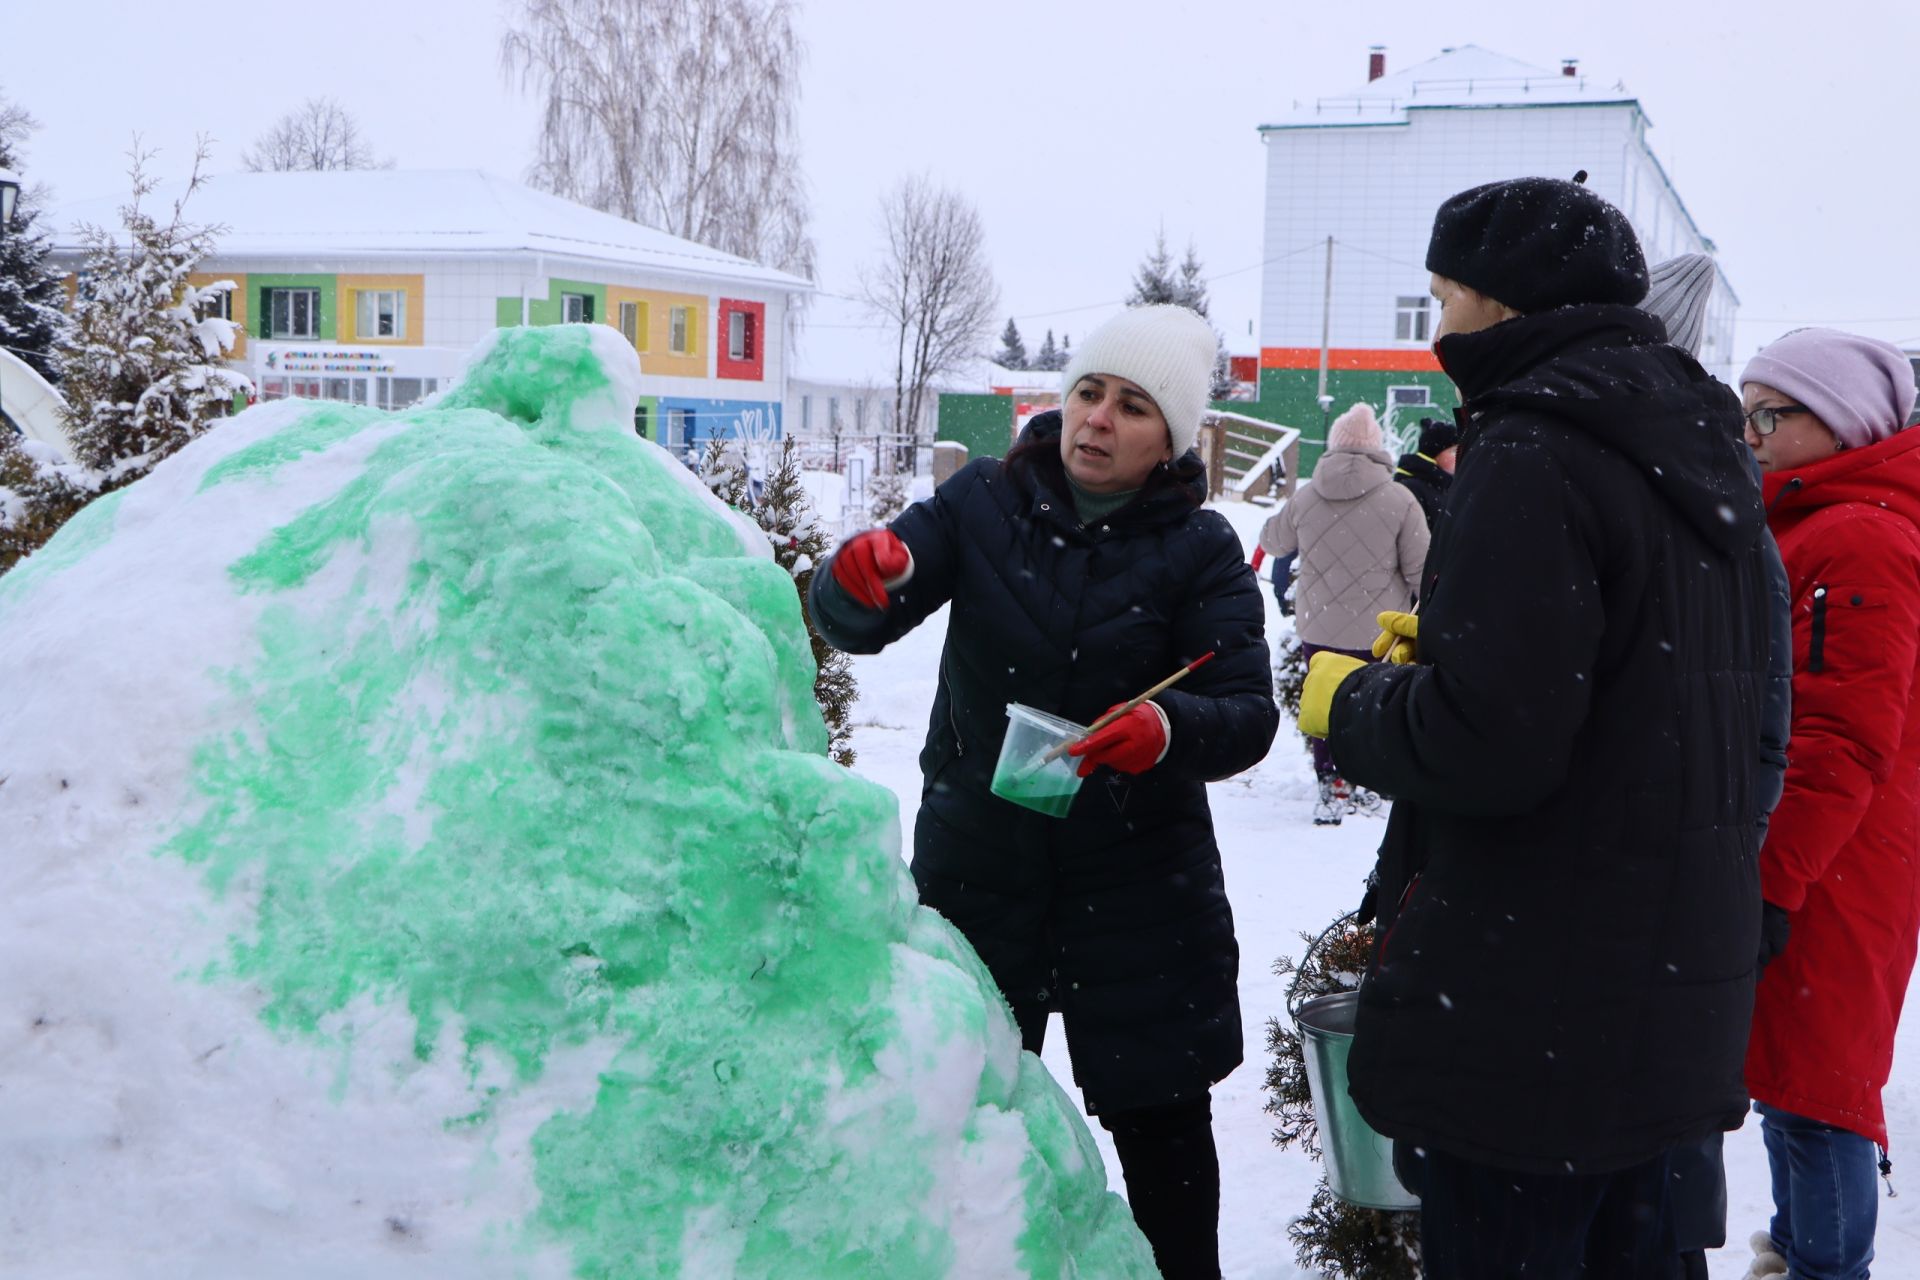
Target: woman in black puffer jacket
x=1081, y=570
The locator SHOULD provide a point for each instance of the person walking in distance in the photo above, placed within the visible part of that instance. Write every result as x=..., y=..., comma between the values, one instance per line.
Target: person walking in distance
x=1361, y=541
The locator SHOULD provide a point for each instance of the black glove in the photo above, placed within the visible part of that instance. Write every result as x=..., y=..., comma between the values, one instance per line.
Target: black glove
x=1369, y=901
x=1774, y=927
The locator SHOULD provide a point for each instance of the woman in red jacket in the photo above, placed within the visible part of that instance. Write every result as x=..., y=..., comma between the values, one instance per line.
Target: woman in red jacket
x=1840, y=871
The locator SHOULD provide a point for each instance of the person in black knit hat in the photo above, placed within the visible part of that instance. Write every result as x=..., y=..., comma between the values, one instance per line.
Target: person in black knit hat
x=1538, y=243
x=1428, y=470
x=1567, y=896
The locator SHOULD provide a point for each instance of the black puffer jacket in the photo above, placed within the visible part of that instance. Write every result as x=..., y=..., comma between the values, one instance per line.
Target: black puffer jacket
x=1116, y=914
x=1428, y=481
x=1569, y=885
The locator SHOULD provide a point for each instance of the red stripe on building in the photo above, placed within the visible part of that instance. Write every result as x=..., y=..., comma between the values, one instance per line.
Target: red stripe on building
x=1355, y=358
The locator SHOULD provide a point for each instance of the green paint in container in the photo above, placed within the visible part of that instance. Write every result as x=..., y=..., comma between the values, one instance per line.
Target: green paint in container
x=1023, y=773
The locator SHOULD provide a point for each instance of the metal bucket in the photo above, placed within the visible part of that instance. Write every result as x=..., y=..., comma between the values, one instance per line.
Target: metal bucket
x=1359, y=1162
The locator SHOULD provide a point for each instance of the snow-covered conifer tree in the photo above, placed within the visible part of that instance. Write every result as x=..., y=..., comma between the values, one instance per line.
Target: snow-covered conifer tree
x=1048, y=356
x=32, y=318
x=1153, y=283
x=800, y=545
x=1013, y=349
x=786, y=513
x=144, y=367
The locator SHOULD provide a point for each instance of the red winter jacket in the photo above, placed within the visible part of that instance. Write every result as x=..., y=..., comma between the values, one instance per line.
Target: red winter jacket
x=1843, y=851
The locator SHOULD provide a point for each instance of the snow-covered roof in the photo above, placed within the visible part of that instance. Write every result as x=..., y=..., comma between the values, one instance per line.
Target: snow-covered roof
x=1467, y=76
x=398, y=212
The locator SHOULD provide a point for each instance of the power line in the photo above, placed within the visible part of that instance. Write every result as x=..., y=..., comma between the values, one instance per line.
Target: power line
x=1091, y=306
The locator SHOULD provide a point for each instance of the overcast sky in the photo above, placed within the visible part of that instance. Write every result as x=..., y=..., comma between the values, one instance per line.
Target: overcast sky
x=1791, y=130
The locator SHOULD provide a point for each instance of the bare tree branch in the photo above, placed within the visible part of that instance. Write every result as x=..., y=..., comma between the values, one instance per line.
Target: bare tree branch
x=318, y=134
x=674, y=113
x=933, y=287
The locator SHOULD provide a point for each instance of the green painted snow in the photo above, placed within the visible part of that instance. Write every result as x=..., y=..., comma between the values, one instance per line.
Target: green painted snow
x=89, y=530
x=533, y=754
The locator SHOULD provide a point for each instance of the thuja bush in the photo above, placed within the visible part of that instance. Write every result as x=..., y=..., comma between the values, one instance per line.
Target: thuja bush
x=1332, y=1236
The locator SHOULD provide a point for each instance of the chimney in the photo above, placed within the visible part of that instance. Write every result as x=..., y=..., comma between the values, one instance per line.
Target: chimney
x=1569, y=66
x=1377, y=62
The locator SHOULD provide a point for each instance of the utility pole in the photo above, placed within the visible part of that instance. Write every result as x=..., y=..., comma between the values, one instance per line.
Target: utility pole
x=1326, y=321
x=1326, y=329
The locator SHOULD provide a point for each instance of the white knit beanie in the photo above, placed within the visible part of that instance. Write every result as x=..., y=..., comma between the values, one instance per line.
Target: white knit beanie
x=1678, y=291
x=1167, y=350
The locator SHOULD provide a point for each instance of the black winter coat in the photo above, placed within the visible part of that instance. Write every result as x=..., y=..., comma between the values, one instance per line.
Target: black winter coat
x=1117, y=914
x=1569, y=885
x=1428, y=481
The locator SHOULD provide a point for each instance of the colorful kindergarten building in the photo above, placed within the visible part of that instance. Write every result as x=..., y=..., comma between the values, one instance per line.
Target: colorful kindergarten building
x=372, y=287
x=1352, y=184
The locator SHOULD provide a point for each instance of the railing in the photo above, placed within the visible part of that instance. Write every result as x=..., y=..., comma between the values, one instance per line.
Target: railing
x=1249, y=459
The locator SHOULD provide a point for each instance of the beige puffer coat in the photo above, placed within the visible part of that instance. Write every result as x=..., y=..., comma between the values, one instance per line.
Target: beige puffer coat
x=1362, y=542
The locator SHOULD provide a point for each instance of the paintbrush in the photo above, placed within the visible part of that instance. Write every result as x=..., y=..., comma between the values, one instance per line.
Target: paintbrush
x=1054, y=753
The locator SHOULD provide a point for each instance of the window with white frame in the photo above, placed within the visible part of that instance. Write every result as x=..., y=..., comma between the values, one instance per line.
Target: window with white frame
x=215, y=305
x=293, y=313
x=380, y=313
x=398, y=393
x=740, y=335
x=680, y=331
x=806, y=413
x=680, y=427
x=1410, y=318
x=576, y=308
x=1417, y=397
x=630, y=322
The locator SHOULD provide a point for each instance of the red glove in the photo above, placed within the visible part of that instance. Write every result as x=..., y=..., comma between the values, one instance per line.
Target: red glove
x=872, y=564
x=1132, y=744
x=1259, y=554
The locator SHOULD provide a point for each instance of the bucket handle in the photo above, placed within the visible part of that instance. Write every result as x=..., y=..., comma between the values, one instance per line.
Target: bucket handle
x=1295, y=997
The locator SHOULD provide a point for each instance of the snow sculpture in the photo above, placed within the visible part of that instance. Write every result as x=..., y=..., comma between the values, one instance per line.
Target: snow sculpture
x=419, y=859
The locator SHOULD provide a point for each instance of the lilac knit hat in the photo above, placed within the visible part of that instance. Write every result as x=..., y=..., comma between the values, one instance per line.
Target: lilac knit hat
x=1862, y=388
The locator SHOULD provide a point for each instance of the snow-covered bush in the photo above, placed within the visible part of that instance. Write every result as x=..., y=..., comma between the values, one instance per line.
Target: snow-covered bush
x=145, y=367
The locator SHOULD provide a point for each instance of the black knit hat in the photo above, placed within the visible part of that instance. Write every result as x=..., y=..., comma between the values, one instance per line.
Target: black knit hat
x=1538, y=243
x=1436, y=435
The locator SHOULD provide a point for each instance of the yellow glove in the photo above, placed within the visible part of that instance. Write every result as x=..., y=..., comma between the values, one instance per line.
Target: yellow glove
x=1399, y=638
x=1324, y=673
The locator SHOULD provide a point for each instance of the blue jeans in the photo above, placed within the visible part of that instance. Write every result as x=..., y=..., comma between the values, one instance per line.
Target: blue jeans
x=1825, y=1203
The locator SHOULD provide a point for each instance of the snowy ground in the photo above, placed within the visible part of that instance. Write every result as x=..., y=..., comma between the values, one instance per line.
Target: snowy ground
x=1285, y=877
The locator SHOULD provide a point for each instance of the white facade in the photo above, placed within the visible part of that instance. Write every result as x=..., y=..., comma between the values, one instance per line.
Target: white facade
x=1370, y=169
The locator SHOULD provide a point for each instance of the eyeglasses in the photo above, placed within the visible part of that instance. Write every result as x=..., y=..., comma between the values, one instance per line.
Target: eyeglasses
x=1765, y=420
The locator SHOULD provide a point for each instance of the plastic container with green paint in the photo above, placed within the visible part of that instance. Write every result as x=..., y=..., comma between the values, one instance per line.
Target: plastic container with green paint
x=1023, y=775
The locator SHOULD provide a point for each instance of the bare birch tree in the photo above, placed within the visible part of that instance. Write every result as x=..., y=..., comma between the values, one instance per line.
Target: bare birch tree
x=934, y=288
x=678, y=114
x=317, y=134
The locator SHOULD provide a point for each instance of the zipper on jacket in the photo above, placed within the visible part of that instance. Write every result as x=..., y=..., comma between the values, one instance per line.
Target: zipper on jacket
x=1816, y=660
x=946, y=686
x=1785, y=489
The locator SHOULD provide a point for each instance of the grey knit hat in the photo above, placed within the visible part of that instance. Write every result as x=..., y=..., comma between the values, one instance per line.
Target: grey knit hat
x=1678, y=291
x=1167, y=350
